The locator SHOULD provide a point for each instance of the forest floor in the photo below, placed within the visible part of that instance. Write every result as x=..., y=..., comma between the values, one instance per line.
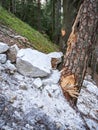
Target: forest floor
x=37, y=103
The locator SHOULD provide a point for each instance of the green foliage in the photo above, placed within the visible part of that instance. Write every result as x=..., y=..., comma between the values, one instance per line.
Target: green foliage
x=38, y=41
x=27, y=12
x=42, y=17
x=47, y=18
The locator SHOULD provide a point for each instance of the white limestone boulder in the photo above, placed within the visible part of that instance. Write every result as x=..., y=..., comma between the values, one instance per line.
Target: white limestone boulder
x=3, y=47
x=33, y=63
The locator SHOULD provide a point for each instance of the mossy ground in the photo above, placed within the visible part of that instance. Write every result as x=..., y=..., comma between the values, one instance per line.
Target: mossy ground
x=37, y=40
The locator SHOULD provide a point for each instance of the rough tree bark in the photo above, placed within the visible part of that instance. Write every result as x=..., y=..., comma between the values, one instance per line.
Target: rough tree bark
x=80, y=44
x=70, y=10
x=57, y=21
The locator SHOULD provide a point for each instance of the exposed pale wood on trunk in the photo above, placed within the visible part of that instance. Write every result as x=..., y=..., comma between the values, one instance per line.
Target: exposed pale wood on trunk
x=70, y=9
x=80, y=45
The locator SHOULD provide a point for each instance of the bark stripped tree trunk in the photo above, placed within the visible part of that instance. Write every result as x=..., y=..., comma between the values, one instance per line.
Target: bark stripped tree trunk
x=70, y=10
x=80, y=44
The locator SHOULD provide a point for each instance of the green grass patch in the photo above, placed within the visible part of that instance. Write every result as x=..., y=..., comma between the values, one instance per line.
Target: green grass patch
x=37, y=40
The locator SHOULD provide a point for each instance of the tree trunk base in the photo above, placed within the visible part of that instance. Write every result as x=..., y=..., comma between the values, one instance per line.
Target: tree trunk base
x=70, y=88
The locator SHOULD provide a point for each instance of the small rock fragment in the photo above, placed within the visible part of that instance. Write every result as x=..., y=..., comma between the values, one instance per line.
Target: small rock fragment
x=12, y=53
x=3, y=58
x=3, y=47
x=10, y=68
x=37, y=83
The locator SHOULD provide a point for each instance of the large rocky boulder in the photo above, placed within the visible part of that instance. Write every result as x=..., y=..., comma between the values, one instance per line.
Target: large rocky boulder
x=33, y=63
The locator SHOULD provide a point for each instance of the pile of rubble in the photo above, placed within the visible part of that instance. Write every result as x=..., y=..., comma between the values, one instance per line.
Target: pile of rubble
x=31, y=98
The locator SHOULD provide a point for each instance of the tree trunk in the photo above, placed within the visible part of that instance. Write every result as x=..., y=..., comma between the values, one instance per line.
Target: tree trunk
x=80, y=45
x=70, y=10
x=3, y=2
x=53, y=18
x=57, y=21
x=11, y=6
x=39, y=16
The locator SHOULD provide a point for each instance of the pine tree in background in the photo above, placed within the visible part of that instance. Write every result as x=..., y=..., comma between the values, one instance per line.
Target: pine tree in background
x=70, y=10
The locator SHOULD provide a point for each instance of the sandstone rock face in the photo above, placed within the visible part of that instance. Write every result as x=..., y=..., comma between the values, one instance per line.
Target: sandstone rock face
x=33, y=63
x=12, y=53
x=3, y=47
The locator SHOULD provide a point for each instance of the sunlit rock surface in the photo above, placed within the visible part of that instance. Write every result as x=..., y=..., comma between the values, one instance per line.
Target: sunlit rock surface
x=33, y=63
